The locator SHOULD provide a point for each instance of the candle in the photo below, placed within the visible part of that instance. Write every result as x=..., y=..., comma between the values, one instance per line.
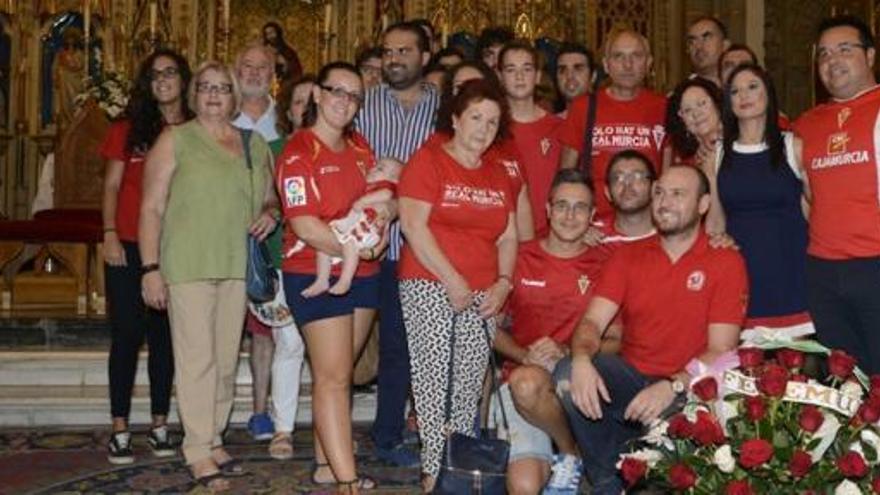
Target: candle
x=87, y=20
x=226, y=9
x=152, y=19
x=384, y=22
x=328, y=14
x=445, y=31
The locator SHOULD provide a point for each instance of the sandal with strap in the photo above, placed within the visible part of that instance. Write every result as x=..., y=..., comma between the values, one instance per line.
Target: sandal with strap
x=209, y=481
x=232, y=469
x=314, y=476
x=361, y=483
x=281, y=447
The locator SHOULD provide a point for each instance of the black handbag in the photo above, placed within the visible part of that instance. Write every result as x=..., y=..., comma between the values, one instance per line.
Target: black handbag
x=261, y=279
x=473, y=465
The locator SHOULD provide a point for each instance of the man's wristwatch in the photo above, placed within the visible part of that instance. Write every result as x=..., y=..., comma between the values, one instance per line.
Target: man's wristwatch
x=678, y=386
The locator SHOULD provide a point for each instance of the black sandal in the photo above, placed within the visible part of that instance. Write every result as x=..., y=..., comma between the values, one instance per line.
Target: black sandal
x=315, y=467
x=232, y=469
x=362, y=483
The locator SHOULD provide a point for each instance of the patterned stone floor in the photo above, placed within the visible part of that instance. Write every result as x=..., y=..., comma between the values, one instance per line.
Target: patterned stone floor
x=69, y=461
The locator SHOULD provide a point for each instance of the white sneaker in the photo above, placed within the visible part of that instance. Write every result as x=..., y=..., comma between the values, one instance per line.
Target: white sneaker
x=566, y=479
x=119, y=448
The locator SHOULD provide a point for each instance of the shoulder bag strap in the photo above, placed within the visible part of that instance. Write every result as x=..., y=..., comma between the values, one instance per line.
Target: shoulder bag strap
x=246, y=148
x=496, y=388
x=586, y=164
x=447, y=409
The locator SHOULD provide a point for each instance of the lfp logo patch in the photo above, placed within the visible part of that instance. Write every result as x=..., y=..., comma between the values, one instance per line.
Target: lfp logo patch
x=295, y=191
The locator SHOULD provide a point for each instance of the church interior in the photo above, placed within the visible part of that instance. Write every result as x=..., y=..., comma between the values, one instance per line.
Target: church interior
x=64, y=69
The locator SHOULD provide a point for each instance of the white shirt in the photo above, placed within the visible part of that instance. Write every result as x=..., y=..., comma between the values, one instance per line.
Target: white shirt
x=265, y=125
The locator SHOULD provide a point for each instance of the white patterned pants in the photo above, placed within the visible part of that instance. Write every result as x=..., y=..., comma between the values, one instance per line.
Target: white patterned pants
x=428, y=318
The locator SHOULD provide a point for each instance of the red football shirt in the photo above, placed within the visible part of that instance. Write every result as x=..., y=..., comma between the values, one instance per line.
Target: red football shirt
x=667, y=307
x=538, y=145
x=841, y=140
x=635, y=124
x=503, y=153
x=550, y=294
x=128, y=200
x=469, y=211
x=314, y=180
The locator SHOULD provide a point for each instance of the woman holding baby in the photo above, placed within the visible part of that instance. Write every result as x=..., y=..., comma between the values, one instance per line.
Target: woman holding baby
x=320, y=175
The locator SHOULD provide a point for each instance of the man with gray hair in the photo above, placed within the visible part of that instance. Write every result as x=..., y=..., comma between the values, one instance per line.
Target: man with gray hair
x=627, y=115
x=276, y=352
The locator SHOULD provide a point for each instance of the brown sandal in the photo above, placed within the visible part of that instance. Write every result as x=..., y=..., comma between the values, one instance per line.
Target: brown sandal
x=281, y=446
x=361, y=483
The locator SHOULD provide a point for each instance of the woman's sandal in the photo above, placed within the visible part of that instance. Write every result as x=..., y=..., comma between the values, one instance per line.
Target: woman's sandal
x=232, y=469
x=362, y=483
x=209, y=481
x=281, y=447
x=314, y=476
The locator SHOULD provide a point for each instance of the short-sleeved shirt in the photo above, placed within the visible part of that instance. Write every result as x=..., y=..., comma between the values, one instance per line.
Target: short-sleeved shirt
x=128, y=199
x=470, y=210
x=550, y=293
x=539, y=147
x=265, y=124
x=841, y=140
x=503, y=153
x=633, y=124
x=667, y=307
x=314, y=180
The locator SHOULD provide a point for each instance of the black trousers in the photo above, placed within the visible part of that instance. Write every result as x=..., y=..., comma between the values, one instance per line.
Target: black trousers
x=844, y=300
x=130, y=321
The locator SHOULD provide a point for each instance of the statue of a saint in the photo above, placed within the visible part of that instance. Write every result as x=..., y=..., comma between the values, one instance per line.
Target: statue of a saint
x=68, y=75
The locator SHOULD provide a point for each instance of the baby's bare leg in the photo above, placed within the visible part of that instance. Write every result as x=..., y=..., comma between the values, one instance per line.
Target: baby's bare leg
x=322, y=276
x=349, y=267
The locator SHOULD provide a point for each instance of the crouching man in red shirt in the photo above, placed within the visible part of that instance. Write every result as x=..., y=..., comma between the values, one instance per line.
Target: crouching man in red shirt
x=679, y=299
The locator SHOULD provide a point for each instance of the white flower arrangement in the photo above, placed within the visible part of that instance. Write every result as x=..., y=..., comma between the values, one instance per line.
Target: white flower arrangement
x=109, y=90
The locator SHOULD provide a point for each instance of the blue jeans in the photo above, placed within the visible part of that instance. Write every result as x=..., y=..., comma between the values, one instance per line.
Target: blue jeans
x=393, y=379
x=602, y=441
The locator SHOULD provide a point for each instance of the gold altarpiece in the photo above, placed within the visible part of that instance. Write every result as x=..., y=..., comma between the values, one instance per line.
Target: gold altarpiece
x=322, y=30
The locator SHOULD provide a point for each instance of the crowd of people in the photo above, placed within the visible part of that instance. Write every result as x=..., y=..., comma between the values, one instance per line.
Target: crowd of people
x=599, y=242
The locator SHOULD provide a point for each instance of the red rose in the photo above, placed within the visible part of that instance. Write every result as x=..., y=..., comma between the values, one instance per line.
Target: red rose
x=869, y=411
x=738, y=487
x=875, y=383
x=706, y=389
x=707, y=430
x=875, y=485
x=750, y=357
x=800, y=464
x=755, y=408
x=799, y=377
x=841, y=364
x=755, y=452
x=682, y=477
x=633, y=470
x=680, y=427
x=790, y=358
x=810, y=418
x=772, y=380
x=852, y=465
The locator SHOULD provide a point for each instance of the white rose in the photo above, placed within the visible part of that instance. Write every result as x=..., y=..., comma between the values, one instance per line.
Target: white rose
x=847, y=487
x=649, y=456
x=657, y=437
x=723, y=458
x=852, y=389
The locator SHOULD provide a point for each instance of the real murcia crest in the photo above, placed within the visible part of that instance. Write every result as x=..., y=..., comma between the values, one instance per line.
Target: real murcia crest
x=843, y=116
x=545, y=146
x=583, y=284
x=696, y=280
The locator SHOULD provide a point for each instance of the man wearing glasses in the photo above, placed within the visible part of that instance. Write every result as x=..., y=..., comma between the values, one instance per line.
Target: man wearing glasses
x=839, y=155
x=396, y=118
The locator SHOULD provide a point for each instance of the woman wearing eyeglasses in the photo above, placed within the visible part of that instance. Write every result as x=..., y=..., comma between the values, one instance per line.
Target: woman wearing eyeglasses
x=200, y=202
x=457, y=212
x=156, y=101
x=319, y=176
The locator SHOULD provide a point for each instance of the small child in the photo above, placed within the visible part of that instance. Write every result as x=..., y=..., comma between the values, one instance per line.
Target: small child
x=360, y=229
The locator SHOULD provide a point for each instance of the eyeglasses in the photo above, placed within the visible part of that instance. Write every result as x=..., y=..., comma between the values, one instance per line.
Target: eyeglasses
x=625, y=177
x=166, y=73
x=845, y=50
x=221, y=89
x=563, y=207
x=341, y=93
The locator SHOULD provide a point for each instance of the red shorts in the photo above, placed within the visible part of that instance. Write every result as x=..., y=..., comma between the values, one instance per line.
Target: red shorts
x=254, y=326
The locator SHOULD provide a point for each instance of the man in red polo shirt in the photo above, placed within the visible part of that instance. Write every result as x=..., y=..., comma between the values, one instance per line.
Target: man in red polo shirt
x=628, y=116
x=679, y=299
x=840, y=157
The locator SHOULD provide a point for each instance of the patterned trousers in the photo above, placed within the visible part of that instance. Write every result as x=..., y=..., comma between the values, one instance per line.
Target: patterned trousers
x=428, y=318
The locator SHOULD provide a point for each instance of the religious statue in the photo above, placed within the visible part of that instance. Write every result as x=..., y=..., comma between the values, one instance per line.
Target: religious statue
x=68, y=75
x=287, y=64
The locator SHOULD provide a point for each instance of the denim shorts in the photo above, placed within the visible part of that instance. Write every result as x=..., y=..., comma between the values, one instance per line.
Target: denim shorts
x=527, y=441
x=364, y=293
